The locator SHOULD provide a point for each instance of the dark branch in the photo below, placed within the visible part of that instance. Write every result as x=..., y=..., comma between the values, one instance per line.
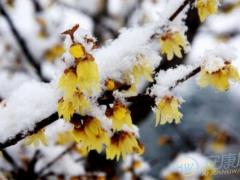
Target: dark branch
x=21, y=135
x=22, y=43
x=179, y=10
x=37, y=6
x=9, y=159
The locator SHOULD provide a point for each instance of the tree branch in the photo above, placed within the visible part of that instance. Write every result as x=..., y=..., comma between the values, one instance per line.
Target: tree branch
x=58, y=157
x=22, y=44
x=52, y=118
x=24, y=133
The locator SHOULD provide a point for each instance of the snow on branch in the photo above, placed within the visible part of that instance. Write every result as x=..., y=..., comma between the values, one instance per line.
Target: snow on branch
x=28, y=109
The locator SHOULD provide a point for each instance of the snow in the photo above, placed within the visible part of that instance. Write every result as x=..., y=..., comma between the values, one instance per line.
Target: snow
x=11, y=81
x=68, y=166
x=118, y=56
x=167, y=79
x=27, y=105
x=215, y=59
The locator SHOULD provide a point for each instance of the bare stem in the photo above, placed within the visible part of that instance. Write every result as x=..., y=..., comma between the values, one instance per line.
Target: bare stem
x=22, y=43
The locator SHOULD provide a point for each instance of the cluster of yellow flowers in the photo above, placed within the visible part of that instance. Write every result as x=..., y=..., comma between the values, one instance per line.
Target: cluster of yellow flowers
x=78, y=82
x=122, y=142
x=219, y=78
x=172, y=43
x=167, y=110
x=206, y=8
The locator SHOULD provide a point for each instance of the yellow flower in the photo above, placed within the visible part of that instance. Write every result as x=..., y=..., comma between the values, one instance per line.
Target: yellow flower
x=110, y=85
x=131, y=91
x=81, y=150
x=142, y=69
x=68, y=82
x=88, y=75
x=209, y=172
x=167, y=111
x=81, y=103
x=65, y=109
x=54, y=52
x=206, y=8
x=173, y=176
x=36, y=139
x=64, y=138
x=120, y=116
x=219, y=79
x=77, y=50
x=90, y=134
x=77, y=103
x=220, y=141
x=122, y=144
x=172, y=43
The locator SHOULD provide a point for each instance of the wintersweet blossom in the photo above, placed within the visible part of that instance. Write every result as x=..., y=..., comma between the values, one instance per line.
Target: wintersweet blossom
x=110, y=85
x=65, y=109
x=77, y=50
x=123, y=143
x=219, y=78
x=142, y=68
x=172, y=43
x=206, y=8
x=120, y=116
x=90, y=134
x=220, y=141
x=68, y=82
x=173, y=176
x=64, y=137
x=167, y=110
x=54, y=52
x=37, y=139
x=88, y=75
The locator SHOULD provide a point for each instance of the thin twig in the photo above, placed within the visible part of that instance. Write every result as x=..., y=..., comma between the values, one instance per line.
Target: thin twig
x=22, y=43
x=9, y=159
x=58, y=157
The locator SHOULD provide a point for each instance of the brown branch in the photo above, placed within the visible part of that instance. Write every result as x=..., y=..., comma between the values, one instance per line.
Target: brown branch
x=179, y=10
x=52, y=118
x=24, y=133
x=22, y=43
x=9, y=159
x=146, y=97
x=37, y=6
